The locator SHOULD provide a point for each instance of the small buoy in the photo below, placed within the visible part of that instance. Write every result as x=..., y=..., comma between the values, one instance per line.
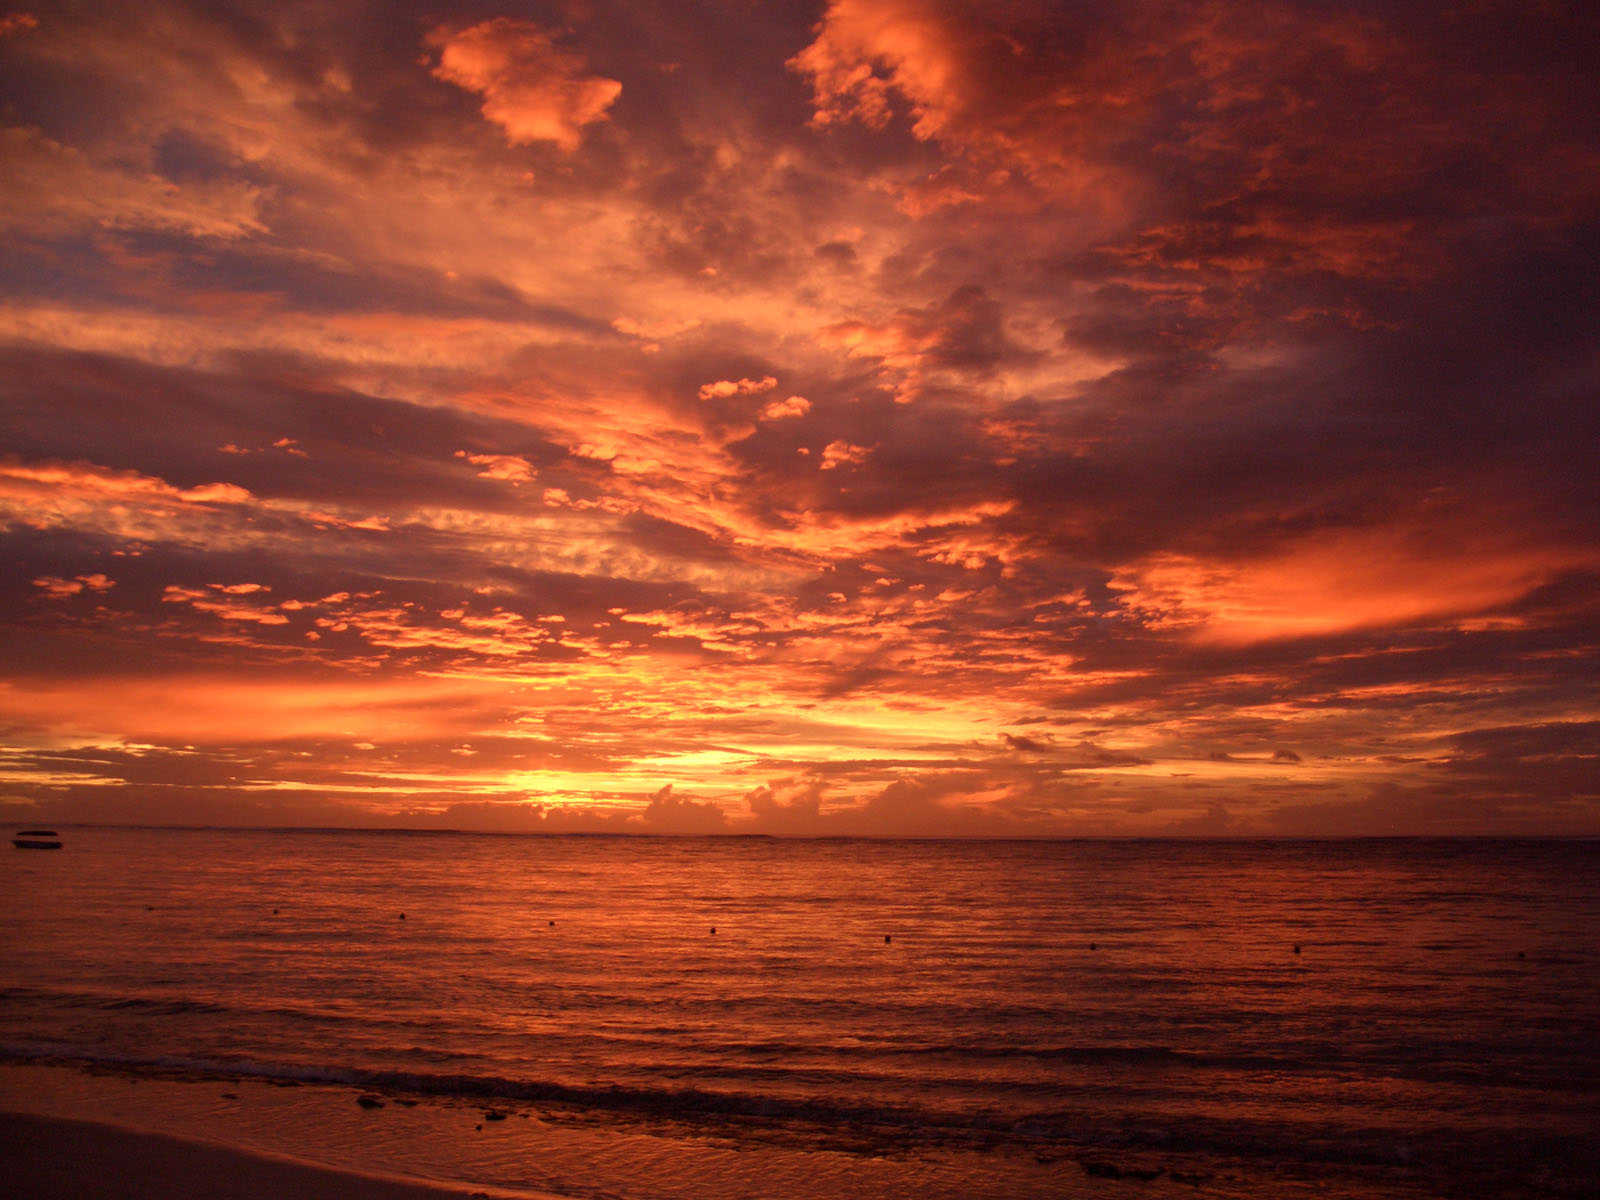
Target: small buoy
x=402, y=916
x=1297, y=947
x=887, y=939
x=1522, y=954
x=713, y=929
x=1092, y=946
x=552, y=924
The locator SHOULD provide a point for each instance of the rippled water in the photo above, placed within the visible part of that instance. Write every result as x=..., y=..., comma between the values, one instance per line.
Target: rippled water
x=1345, y=1014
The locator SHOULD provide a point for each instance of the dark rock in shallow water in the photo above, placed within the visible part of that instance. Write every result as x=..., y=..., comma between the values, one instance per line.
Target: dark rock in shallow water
x=1101, y=1169
x=494, y=1114
x=369, y=1101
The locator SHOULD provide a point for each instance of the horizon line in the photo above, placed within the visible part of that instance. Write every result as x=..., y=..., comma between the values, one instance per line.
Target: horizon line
x=735, y=835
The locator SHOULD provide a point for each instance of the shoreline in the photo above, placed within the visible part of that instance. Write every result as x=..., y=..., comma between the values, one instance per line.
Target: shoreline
x=249, y=1136
x=54, y=1158
x=102, y=1134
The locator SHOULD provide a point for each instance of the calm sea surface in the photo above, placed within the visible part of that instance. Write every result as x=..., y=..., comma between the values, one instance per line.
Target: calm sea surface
x=733, y=1017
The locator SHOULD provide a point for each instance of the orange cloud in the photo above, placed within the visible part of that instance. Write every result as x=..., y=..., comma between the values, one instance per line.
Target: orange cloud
x=792, y=406
x=204, y=708
x=55, y=189
x=57, y=588
x=531, y=88
x=508, y=467
x=737, y=387
x=841, y=453
x=1366, y=579
x=906, y=39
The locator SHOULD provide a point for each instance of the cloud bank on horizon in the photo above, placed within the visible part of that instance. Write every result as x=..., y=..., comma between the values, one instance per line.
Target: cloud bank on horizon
x=879, y=417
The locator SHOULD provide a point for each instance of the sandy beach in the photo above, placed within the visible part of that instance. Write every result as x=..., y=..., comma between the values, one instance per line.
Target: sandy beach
x=51, y=1159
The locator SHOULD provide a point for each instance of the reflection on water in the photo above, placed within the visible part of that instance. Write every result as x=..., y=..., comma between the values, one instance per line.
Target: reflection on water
x=1325, y=1009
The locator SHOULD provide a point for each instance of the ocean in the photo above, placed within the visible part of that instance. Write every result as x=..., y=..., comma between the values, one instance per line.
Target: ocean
x=722, y=1018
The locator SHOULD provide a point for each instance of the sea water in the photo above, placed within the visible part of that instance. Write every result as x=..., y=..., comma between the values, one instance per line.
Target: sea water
x=732, y=1017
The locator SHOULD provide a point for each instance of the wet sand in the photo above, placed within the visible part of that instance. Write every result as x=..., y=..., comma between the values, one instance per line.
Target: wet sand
x=50, y=1159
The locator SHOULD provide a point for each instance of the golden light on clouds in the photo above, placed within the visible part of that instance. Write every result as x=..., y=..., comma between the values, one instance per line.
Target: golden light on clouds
x=877, y=417
x=531, y=88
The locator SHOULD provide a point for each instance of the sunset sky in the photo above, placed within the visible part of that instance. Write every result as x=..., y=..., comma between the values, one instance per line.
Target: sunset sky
x=878, y=416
